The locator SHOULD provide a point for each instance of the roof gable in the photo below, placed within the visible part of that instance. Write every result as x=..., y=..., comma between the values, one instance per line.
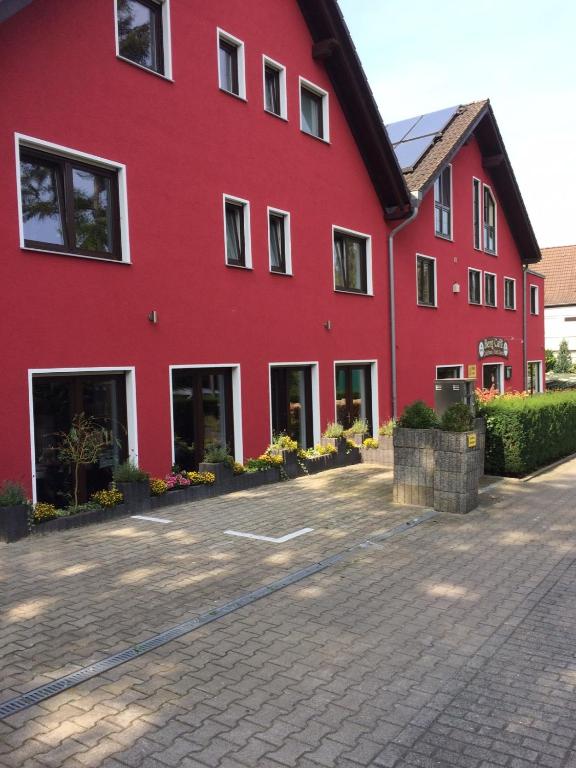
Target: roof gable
x=558, y=266
x=477, y=119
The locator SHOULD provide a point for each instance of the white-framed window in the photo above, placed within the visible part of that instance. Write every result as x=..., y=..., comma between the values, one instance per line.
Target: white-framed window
x=490, y=295
x=534, y=376
x=143, y=35
x=450, y=371
x=477, y=213
x=443, y=204
x=237, y=232
x=426, y=281
x=534, y=300
x=489, y=220
x=493, y=376
x=509, y=293
x=274, y=81
x=231, y=66
x=352, y=261
x=474, y=286
x=314, y=110
x=70, y=202
x=279, y=241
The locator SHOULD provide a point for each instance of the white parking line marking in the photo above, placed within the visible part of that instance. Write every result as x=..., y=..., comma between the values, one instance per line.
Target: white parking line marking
x=151, y=519
x=270, y=539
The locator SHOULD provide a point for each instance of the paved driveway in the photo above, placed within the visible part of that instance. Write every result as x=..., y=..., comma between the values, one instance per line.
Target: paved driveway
x=449, y=644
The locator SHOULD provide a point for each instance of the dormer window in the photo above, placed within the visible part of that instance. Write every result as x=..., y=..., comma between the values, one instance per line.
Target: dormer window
x=443, y=203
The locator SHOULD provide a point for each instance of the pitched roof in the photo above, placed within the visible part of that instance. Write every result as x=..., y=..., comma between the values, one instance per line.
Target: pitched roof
x=558, y=266
x=334, y=46
x=476, y=119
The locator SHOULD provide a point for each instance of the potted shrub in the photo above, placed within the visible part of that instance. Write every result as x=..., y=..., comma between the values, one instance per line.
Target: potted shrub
x=218, y=461
x=133, y=484
x=14, y=512
x=414, y=440
x=334, y=436
x=285, y=446
x=357, y=431
x=457, y=458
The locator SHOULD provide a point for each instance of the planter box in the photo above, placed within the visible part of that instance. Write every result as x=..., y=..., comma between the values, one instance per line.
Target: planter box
x=384, y=454
x=290, y=466
x=357, y=437
x=136, y=495
x=319, y=463
x=183, y=495
x=336, y=442
x=414, y=466
x=254, y=479
x=457, y=466
x=14, y=522
x=82, y=518
x=221, y=470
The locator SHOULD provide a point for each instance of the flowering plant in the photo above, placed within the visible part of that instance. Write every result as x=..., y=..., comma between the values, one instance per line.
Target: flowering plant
x=265, y=461
x=370, y=442
x=201, y=478
x=107, y=498
x=158, y=487
x=282, y=443
x=43, y=512
x=487, y=395
x=176, y=480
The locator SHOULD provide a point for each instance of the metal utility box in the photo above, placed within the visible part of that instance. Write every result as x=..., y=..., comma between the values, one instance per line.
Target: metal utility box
x=450, y=391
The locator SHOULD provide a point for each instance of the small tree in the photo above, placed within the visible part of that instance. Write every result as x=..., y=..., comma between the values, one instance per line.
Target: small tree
x=550, y=360
x=81, y=446
x=563, y=362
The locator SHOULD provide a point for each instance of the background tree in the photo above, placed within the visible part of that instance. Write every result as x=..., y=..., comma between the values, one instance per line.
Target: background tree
x=563, y=362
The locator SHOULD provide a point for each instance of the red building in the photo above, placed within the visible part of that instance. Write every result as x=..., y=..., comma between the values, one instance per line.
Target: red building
x=195, y=214
x=465, y=301
x=185, y=173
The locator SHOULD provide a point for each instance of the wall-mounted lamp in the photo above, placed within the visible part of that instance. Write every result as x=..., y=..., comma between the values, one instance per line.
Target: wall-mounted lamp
x=328, y=325
x=456, y=288
x=153, y=317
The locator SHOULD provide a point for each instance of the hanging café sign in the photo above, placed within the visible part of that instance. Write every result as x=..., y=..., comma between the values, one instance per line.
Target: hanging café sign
x=493, y=346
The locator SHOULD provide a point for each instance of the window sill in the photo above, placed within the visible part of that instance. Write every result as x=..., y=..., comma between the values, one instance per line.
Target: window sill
x=353, y=293
x=313, y=136
x=234, y=95
x=240, y=266
x=427, y=306
x=491, y=306
x=510, y=309
x=73, y=255
x=490, y=253
x=144, y=69
x=281, y=274
x=448, y=238
x=274, y=114
x=474, y=303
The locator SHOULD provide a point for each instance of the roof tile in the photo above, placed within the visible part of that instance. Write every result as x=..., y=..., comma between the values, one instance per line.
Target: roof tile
x=558, y=266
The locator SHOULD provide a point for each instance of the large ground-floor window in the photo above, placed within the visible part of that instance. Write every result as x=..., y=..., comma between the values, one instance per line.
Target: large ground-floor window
x=291, y=402
x=449, y=371
x=202, y=413
x=354, y=394
x=534, y=378
x=492, y=376
x=57, y=400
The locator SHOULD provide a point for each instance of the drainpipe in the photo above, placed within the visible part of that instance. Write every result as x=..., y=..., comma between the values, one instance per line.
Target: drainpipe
x=393, y=372
x=524, y=326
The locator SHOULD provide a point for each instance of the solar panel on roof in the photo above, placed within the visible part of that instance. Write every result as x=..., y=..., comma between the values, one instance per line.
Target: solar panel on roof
x=411, y=138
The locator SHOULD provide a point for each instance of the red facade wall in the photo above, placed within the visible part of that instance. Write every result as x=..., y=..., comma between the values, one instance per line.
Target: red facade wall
x=449, y=333
x=184, y=143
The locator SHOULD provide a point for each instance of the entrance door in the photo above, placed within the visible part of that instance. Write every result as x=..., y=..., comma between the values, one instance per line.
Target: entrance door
x=492, y=376
x=353, y=394
x=202, y=412
x=534, y=377
x=57, y=399
x=292, y=404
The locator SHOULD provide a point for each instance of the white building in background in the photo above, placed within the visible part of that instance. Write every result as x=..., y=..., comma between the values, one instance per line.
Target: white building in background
x=558, y=265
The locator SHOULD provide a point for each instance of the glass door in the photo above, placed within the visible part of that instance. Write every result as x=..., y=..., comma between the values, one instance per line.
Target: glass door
x=292, y=404
x=353, y=394
x=492, y=376
x=57, y=400
x=202, y=413
x=534, y=379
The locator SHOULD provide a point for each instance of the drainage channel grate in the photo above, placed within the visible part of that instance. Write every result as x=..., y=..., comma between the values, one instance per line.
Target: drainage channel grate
x=43, y=692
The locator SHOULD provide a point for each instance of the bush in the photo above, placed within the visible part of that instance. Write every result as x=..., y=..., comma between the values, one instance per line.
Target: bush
x=44, y=512
x=12, y=494
x=215, y=453
x=359, y=427
x=107, y=498
x=457, y=418
x=370, y=443
x=283, y=443
x=387, y=429
x=523, y=434
x=129, y=473
x=333, y=429
x=418, y=415
x=201, y=478
x=265, y=461
x=563, y=363
x=550, y=360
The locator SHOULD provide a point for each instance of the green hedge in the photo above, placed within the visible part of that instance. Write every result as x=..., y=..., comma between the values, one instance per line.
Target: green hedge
x=523, y=434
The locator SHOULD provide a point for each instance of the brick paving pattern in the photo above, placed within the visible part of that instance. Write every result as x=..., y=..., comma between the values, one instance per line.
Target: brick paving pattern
x=449, y=645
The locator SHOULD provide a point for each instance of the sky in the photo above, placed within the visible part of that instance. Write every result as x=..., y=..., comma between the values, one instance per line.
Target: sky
x=421, y=56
